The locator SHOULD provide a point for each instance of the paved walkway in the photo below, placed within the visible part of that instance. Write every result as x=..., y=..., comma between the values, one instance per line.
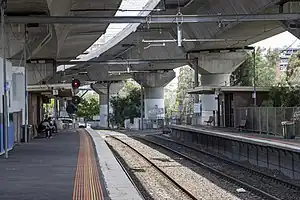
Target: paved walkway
x=63, y=167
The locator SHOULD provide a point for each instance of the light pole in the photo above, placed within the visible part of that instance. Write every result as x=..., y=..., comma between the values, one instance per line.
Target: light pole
x=5, y=85
x=254, y=79
x=25, y=85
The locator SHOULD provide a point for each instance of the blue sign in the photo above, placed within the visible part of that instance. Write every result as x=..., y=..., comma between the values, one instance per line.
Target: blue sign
x=6, y=87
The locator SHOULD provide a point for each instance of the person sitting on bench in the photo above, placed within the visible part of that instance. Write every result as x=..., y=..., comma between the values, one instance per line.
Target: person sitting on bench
x=45, y=127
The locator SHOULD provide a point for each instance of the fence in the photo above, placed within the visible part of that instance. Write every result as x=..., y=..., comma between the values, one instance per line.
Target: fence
x=267, y=120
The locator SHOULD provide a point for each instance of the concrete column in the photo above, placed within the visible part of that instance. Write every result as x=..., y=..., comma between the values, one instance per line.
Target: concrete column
x=209, y=102
x=103, y=110
x=62, y=107
x=154, y=84
x=154, y=102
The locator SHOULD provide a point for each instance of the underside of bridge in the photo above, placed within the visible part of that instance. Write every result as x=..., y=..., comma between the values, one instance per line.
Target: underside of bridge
x=211, y=36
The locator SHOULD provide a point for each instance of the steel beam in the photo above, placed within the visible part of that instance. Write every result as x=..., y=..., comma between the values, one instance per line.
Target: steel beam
x=152, y=19
x=125, y=62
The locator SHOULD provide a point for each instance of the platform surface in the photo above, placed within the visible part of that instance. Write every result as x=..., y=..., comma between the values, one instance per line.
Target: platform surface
x=117, y=184
x=63, y=167
x=259, y=139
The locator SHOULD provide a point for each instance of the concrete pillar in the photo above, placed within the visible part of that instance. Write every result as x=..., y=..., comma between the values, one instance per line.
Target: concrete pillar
x=154, y=84
x=154, y=103
x=62, y=107
x=209, y=102
x=103, y=110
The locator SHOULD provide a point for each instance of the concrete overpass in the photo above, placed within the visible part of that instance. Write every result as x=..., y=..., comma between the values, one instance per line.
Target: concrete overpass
x=213, y=40
x=214, y=46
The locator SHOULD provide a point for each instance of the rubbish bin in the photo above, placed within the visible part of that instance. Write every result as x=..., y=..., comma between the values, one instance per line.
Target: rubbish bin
x=288, y=129
x=29, y=132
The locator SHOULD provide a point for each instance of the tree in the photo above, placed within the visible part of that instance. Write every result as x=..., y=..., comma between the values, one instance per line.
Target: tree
x=88, y=108
x=265, y=69
x=287, y=92
x=185, y=82
x=127, y=104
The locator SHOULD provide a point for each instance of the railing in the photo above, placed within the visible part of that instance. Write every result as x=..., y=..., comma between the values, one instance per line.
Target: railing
x=267, y=120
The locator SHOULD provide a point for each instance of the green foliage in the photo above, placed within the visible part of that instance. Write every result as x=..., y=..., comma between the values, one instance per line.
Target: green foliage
x=88, y=108
x=285, y=96
x=265, y=69
x=293, y=71
x=185, y=82
x=127, y=105
x=287, y=92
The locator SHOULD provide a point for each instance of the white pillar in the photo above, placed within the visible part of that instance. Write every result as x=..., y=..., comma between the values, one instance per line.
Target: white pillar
x=154, y=102
x=103, y=110
x=209, y=102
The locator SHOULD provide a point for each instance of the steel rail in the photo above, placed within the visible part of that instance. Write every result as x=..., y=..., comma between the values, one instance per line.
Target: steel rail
x=157, y=168
x=228, y=177
x=232, y=162
x=125, y=170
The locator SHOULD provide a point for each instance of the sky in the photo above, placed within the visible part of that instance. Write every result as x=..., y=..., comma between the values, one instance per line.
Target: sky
x=279, y=41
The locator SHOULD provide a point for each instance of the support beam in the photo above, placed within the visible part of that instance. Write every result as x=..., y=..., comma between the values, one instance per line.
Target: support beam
x=221, y=49
x=152, y=19
x=125, y=62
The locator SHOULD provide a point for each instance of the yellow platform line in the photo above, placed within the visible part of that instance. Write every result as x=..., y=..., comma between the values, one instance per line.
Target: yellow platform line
x=87, y=184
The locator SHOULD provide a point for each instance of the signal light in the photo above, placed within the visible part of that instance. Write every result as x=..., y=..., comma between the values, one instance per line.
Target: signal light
x=75, y=83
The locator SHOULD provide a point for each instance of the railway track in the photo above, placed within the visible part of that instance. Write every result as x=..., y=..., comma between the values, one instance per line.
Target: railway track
x=157, y=168
x=253, y=171
x=218, y=172
x=142, y=195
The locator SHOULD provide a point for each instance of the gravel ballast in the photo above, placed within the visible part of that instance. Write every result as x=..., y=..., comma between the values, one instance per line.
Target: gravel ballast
x=261, y=182
x=153, y=184
x=198, y=181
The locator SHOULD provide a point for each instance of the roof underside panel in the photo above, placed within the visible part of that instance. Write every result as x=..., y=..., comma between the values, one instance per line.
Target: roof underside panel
x=243, y=33
x=88, y=34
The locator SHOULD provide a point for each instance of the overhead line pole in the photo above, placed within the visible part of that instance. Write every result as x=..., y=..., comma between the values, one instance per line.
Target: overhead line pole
x=25, y=85
x=5, y=86
x=152, y=19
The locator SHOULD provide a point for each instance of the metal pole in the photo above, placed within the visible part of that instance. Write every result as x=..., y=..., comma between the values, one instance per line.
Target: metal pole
x=108, y=86
x=196, y=84
x=55, y=109
x=126, y=61
x=5, y=108
x=99, y=110
x=254, y=79
x=25, y=85
x=142, y=107
x=152, y=19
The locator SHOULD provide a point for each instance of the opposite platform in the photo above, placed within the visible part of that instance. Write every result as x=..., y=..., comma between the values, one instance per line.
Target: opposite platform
x=285, y=144
x=117, y=184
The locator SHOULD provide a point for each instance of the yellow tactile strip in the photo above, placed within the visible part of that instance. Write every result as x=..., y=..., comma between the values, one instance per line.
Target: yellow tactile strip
x=87, y=184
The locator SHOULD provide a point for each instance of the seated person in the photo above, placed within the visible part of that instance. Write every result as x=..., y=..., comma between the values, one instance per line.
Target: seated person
x=52, y=125
x=45, y=127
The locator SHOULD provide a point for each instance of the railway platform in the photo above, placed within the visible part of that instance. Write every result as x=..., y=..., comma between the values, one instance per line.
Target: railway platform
x=260, y=150
x=64, y=167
